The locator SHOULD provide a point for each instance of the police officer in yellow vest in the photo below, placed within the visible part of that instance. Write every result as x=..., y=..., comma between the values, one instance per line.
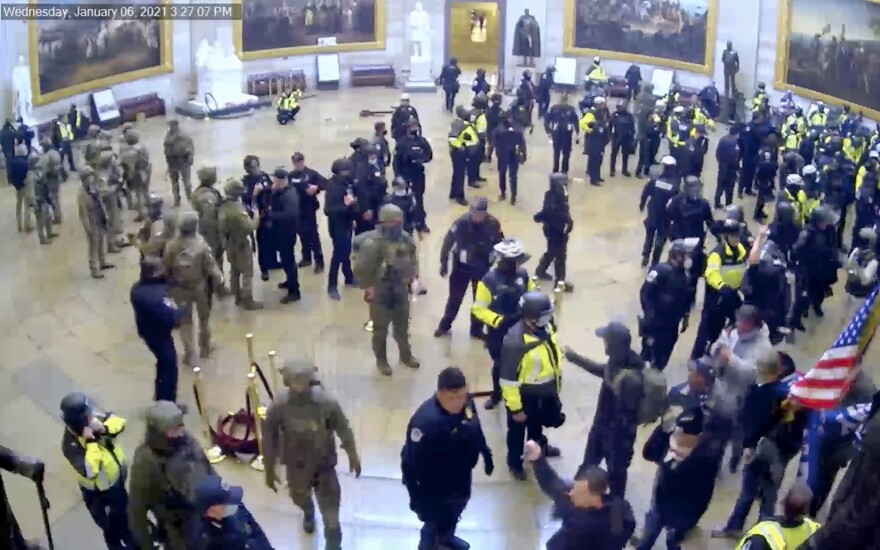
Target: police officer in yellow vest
x=463, y=139
x=761, y=98
x=854, y=148
x=288, y=106
x=818, y=118
x=62, y=137
x=481, y=125
x=789, y=531
x=792, y=140
x=594, y=125
x=872, y=166
x=89, y=444
x=725, y=267
x=531, y=379
x=595, y=77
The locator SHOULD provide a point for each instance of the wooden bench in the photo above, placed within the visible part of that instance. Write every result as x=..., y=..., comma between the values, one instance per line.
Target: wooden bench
x=373, y=75
x=149, y=105
x=263, y=84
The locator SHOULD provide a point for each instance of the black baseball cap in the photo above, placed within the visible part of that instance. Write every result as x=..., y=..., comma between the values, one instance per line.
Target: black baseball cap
x=280, y=173
x=211, y=490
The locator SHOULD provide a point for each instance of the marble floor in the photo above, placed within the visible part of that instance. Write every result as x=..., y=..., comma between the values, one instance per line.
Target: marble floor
x=63, y=331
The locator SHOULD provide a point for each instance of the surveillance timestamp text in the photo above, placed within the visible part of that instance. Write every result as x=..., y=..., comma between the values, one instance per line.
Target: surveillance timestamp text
x=119, y=12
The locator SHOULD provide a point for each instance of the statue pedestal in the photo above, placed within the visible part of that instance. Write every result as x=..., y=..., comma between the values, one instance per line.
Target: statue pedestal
x=420, y=76
x=220, y=90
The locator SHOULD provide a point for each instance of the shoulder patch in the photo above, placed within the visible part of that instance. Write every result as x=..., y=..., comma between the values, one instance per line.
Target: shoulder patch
x=415, y=435
x=652, y=276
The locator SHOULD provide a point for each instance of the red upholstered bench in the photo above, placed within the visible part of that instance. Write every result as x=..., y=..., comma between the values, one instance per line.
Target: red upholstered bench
x=263, y=84
x=373, y=75
x=688, y=96
x=150, y=105
x=617, y=86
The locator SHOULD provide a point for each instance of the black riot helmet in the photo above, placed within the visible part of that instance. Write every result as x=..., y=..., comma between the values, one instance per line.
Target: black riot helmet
x=678, y=252
x=735, y=212
x=480, y=101
x=693, y=188
x=821, y=216
x=76, y=409
x=453, y=61
x=670, y=167
x=251, y=164
x=536, y=306
x=730, y=230
x=462, y=113
x=481, y=73
x=558, y=180
x=527, y=74
x=342, y=167
x=785, y=212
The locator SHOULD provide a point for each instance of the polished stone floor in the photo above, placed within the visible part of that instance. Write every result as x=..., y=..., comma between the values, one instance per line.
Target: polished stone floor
x=63, y=331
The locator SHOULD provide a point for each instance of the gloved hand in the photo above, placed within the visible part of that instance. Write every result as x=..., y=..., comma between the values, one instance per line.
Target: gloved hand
x=488, y=463
x=444, y=269
x=271, y=479
x=30, y=468
x=537, y=217
x=728, y=295
x=354, y=464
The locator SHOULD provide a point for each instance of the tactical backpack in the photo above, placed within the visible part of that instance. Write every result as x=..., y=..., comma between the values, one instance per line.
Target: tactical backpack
x=129, y=163
x=187, y=271
x=653, y=401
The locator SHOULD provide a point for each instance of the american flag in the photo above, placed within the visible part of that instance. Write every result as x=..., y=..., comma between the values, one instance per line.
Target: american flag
x=828, y=381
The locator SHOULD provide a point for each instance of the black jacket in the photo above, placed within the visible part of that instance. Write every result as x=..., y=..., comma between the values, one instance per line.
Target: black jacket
x=260, y=203
x=510, y=145
x=471, y=244
x=309, y=204
x=238, y=532
x=154, y=314
x=659, y=191
x=7, y=139
x=561, y=122
x=17, y=168
x=449, y=78
x=606, y=528
x=555, y=213
x=623, y=127
x=411, y=153
x=688, y=218
x=339, y=216
x=284, y=213
x=400, y=118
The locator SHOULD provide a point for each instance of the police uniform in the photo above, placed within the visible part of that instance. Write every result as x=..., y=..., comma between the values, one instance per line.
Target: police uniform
x=727, y=153
x=259, y=202
x=284, y=215
x=99, y=466
x=462, y=136
x=649, y=143
x=659, y=190
x=725, y=269
x=555, y=217
x=510, y=147
x=308, y=215
x=665, y=300
x=411, y=153
x=62, y=137
x=778, y=535
x=592, y=124
x=288, y=106
x=561, y=122
x=437, y=461
x=623, y=131
x=340, y=219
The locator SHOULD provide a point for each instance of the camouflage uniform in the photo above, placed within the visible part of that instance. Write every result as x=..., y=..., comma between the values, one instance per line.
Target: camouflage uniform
x=42, y=198
x=386, y=262
x=164, y=475
x=154, y=240
x=136, y=167
x=236, y=230
x=94, y=219
x=179, y=157
x=53, y=172
x=205, y=201
x=93, y=147
x=299, y=432
x=193, y=272
x=109, y=181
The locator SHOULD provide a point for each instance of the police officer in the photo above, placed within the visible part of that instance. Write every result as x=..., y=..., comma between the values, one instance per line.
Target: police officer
x=461, y=137
x=666, y=302
x=449, y=82
x=370, y=187
x=401, y=117
x=411, y=153
x=792, y=164
x=236, y=229
x=62, y=138
x=156, y=316
x=765, y=285
x=785, y=228
x=656, y=194
x=340, y=206
x=224, y=523
x=725, y=269
x=496, y=303
x=650, y=135
x=387, y=283
x=309, y=183
x=790, y=530
x=258, y=204
x=749, y=144
x=479, y=85
x=470, y=242
x=288, y=106
x=531, y=378
x=89, y=445
x=284, y=216
x=402, y=197
x=543, y=91
x=765, y=178
x=689, y=214
x=165, y=471
x=816, y=263
x=444, y=441
x=555, y=216
x=561, y=122
x=494, y=114
x=623, y=131
x=307, y=448
x=380, y=142
x=697, y=147
x=728, y=154
x=206, y=200
x=594, y=125
x=510, y=146
x=481, y=124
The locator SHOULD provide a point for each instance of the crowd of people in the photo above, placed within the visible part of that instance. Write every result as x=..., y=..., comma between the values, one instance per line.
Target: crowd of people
x=759, y=288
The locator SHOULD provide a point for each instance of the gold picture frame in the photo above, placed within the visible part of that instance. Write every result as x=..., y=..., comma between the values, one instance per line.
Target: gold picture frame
x=570, y=18
x=380, y=21
x=165, y=65
x=780, y=77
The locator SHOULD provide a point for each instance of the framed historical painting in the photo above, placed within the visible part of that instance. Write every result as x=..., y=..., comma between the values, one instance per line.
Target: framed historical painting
x=831, y=54
x=679, y=34
x=74, y=56
x=280, y=28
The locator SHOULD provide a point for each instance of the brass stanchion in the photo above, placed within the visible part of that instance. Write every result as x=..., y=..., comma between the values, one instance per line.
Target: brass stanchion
x=368, y=326
x=558, y=294
x=273, y=366
x=214, y=453
x=257, y=461
x=249, y=340
x=537, y=282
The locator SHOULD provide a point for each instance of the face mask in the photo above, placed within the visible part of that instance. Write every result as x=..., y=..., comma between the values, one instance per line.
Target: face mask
x=176, y=442
x=400, y=192
x=544, y=320
x=229, y=510
x=372, y=161
x=506, y=266
x=393, y=232
x=688, y=263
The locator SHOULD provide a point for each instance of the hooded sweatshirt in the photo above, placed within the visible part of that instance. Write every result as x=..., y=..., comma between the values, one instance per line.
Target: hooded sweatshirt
x=734, y=380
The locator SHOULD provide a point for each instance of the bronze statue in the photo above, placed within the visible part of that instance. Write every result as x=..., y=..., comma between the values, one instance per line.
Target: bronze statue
x=527, y=39
x=730, y=60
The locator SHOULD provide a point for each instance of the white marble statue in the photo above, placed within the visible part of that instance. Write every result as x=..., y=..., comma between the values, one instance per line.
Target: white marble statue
x=21, y=86
x=219, y=73
x=420, y=32
x=203, y=53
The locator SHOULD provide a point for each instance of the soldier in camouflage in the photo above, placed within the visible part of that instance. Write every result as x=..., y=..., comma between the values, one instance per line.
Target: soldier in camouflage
x=42, y=198
x=300, y=432
x=193, y=272
x=108, y=180
x=205, y=201
x=124, y=130
x=53, y=172
x=179, y=152
x=160, y=234
x=236, y=229
x=386, y=268
x=93, y=146
x=136, y=167
x=94, y=220
x=151, y=226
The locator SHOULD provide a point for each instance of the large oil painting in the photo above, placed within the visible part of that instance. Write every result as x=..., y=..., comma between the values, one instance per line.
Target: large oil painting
x=278, y=28
x=75, y=56
x=831, y=54
x=672, y=33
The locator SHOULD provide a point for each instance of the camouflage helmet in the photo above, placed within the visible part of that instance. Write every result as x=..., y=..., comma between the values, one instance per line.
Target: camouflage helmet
x=233, y=187
x=131, y=136
x=164, y=415
x=390, y=213
x=105, y=158
x=93, y=131
x=188, y=223
x=86, y=173
x=207, y=175
x=297, y=369
x=127, y=126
